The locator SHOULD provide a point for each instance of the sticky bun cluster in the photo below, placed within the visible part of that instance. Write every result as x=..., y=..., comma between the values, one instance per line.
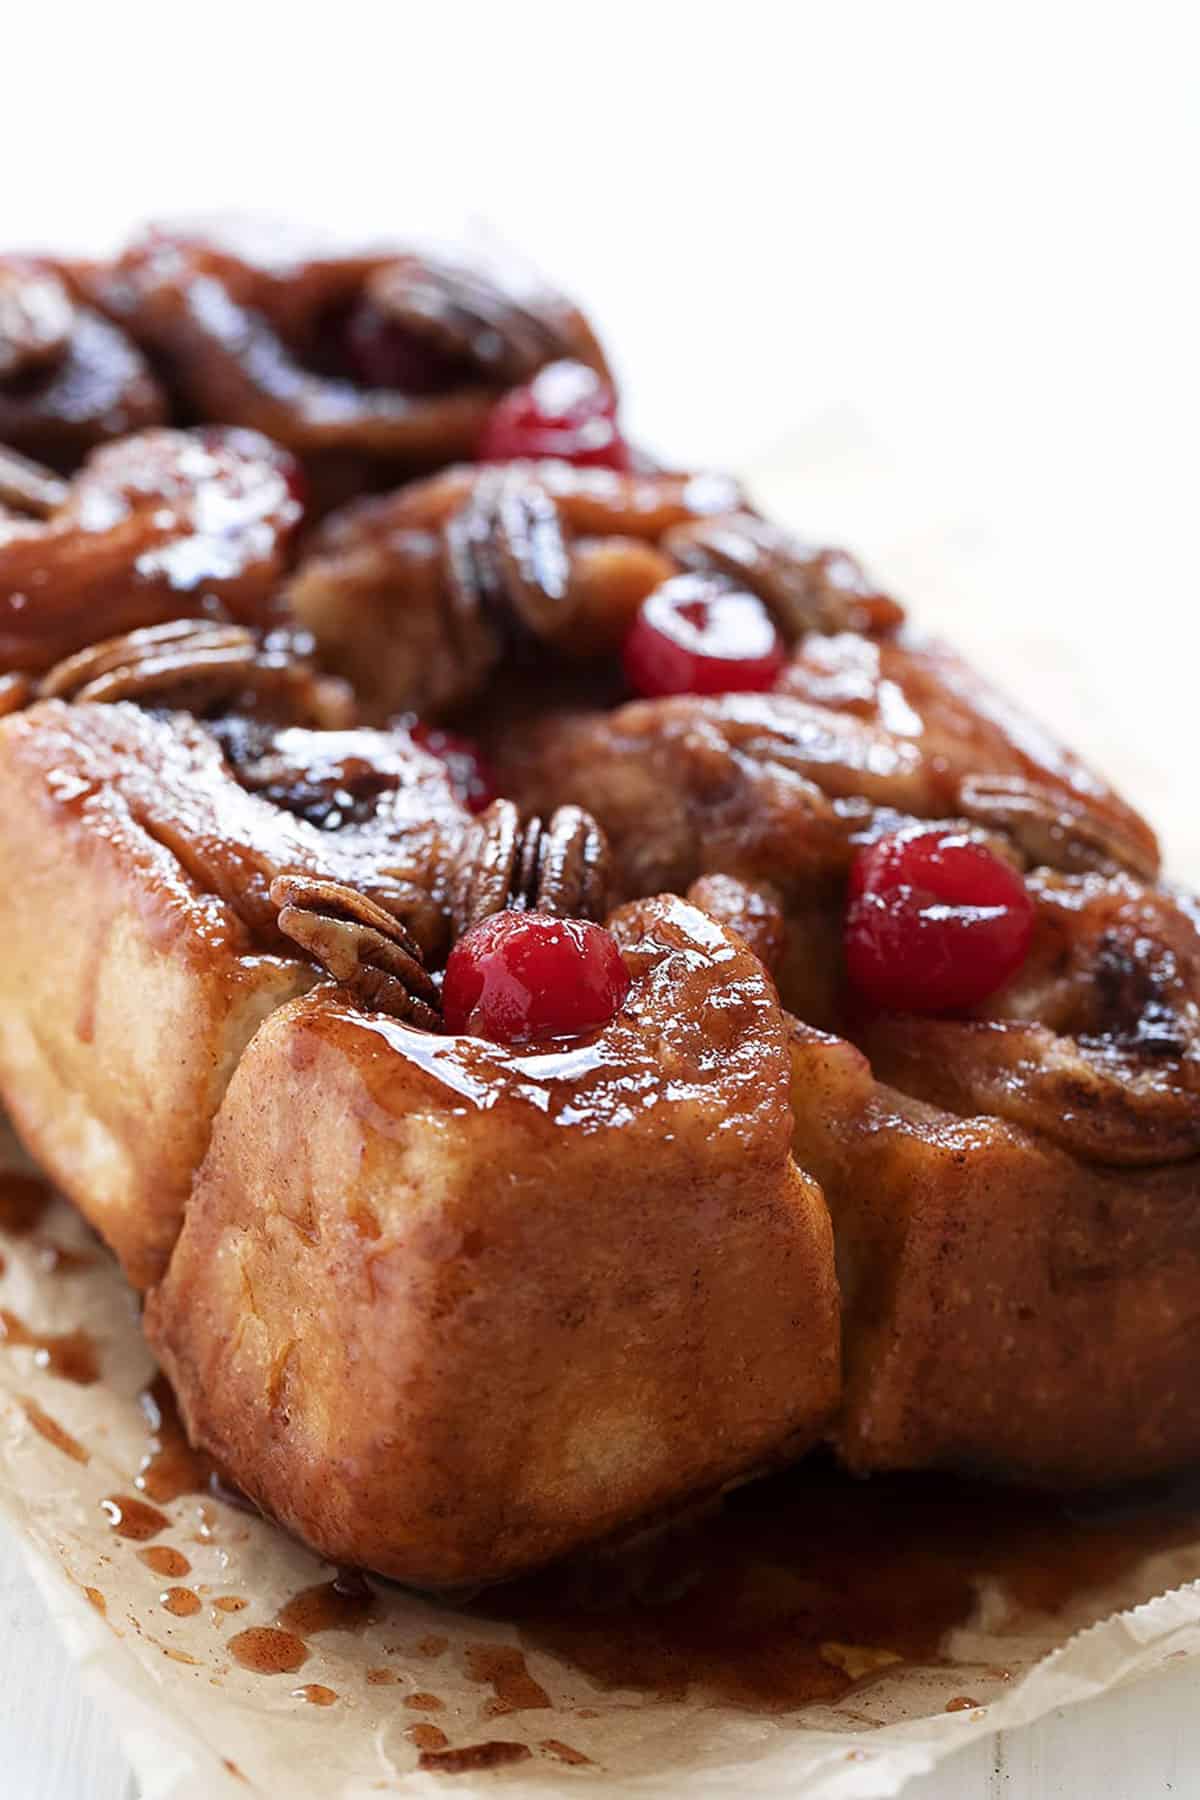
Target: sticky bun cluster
x=507, y=932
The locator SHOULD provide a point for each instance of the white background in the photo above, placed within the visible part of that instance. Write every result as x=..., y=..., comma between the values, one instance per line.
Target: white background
x=928, y=269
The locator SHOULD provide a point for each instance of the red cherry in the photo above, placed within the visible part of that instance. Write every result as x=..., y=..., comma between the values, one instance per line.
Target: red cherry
x=567, y=411
x=471, y=775
x=936, y=922
x=521, y=978
x=694, y=636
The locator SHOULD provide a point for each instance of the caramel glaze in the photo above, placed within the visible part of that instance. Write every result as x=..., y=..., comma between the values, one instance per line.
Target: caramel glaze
x=740, y=1603
x=53, y=1432
x=473, y=1758
x=183, y=1602
x=164, y=1559
x=503, y=1668
x=68, y=1354
x=427, y=1737
x=170, y=1467
x=343, y=1604
x=563, y=1752
x=315, y=1694
x=780, y=1597
x=133, y=1518
x=23, y=1201
x=265, y=1651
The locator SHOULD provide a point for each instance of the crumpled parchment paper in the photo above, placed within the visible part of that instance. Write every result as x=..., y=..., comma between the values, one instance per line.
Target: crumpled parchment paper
x=197, y=1726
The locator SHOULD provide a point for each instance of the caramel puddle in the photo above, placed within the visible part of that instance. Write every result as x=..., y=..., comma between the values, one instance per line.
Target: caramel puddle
x=265, y=1651
x=71, y=1355
x=797, y=1587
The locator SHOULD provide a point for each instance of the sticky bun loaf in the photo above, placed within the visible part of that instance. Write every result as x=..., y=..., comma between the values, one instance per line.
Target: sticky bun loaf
x=560, y=997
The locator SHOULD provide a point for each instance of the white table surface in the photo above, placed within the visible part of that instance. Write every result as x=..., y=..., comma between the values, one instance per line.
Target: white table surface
x=929, y=268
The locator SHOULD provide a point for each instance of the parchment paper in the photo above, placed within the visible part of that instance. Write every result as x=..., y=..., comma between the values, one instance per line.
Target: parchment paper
x=198, y=1727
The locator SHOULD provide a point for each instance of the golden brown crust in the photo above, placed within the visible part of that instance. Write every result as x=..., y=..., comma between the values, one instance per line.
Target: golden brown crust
x=128, y=987
x=862, y=735
x=1018, y=1257
x=142, y=948
x=752, y=910
x=1008, y=1308
x=1095, y=1043
x=565, y=1288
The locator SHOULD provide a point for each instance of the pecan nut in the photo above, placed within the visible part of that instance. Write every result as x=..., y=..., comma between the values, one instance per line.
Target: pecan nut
x=69, y=379
x=472, y=318
x=1057, y=830
x=506, y=558
x=803, y=587
x=26, y=487
x=364, y=949
x=194, y=665
x=513, y=865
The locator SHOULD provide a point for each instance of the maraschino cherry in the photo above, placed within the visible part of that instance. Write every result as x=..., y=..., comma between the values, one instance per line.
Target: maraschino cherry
x=694, y=635
x=470, y=774
x=936, y=922
x=521, y=978
x=567, y=411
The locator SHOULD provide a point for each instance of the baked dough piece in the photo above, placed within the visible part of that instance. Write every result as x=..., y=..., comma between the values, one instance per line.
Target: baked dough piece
x=1017, y=1215
x=162, y=525
x=863, y=736
x=141, y=951
x=417, y=596
x=69, y=380
x=493, y=1302
x=370, y=361
x=1009, y=1308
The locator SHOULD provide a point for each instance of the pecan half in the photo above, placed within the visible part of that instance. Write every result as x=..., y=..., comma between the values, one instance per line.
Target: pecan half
x=1059, y=830
x=510, y=864
x=27, y=487
x=804, y=587
x=195, y=664
x=506, y=557
x=366, y=950
x=471, y=317
x=69, y=379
